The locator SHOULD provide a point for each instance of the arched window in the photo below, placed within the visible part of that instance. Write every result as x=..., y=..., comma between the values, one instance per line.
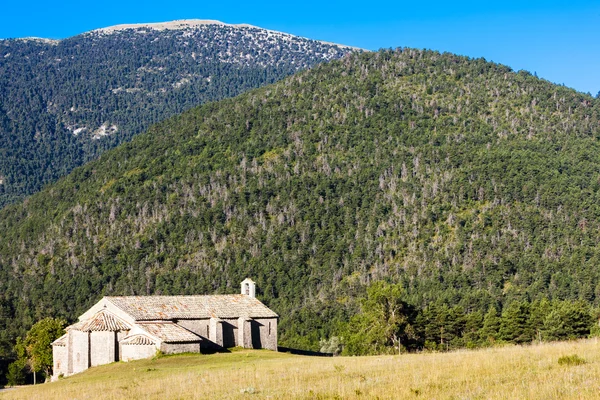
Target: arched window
x=247, y=289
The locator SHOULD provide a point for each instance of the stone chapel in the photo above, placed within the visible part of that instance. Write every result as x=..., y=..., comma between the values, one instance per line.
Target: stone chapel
x=134, y=327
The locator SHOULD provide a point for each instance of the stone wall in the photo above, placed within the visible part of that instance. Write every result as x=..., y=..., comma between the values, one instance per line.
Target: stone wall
x=244, y=333
x=60, y=362
x=79, y=348
x=137, y=352
x=230, y=332
x=216, y=332
x=174, y=348
x=264, y=333
x=120, y=336
x=103, y=348
x=199, y=326
x=258, y=334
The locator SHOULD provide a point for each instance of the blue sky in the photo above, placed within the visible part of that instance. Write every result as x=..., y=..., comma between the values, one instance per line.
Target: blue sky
x=559, y=40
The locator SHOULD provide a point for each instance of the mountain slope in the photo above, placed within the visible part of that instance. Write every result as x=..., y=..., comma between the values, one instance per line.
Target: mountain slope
x=468, y=183
x=64, y=102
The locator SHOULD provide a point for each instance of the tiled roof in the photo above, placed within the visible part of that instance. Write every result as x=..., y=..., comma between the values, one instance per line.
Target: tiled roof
x=152, y=308
x=169, y=332
x=61, y=341
x=138, y=340
x=101, y=321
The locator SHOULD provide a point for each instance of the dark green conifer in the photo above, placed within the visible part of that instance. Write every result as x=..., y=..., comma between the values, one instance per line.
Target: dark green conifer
x=514, y=323
x=490, y=331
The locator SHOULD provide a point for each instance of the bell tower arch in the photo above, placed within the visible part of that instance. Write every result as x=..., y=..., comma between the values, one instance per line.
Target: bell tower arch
x=249, y=287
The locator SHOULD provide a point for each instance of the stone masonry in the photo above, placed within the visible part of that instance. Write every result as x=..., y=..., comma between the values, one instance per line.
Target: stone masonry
x=135, y=327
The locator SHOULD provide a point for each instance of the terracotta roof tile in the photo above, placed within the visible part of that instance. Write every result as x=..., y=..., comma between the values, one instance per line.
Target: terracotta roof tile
x=140, y=340
x=169, y=332
x=101, y=321
x=152, y=308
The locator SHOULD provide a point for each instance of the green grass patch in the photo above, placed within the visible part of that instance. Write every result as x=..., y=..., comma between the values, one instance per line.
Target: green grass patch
x=573, y=359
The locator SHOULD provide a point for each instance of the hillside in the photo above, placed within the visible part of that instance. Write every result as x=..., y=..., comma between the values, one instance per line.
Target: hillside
x=64, y=102
x=531, y=372
x=465, y=182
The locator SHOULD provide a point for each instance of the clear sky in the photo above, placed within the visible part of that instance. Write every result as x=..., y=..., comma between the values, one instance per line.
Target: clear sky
x=560, y=40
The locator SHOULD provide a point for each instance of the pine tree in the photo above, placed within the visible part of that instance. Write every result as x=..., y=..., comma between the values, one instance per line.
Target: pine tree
x=472, y=329
x=489, y=333
x=539, y=310
x=568, y=321
x=514, y=325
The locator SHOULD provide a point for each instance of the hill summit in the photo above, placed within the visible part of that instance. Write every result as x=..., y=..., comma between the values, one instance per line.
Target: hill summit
x=64, y=102
x=185, y=24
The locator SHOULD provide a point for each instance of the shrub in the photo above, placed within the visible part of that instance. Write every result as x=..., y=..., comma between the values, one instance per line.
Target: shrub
x=595, y=331
x=331, y=346
x=159, y=354
x=573, y=359
x=16, y=373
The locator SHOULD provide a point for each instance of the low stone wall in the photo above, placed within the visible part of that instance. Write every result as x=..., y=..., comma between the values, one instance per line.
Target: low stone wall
x=175, y=348
x=137, y=352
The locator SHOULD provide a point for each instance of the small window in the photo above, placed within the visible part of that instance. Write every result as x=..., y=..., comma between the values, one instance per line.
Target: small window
x=207, y=331
x=269, y=328
x=247, y=289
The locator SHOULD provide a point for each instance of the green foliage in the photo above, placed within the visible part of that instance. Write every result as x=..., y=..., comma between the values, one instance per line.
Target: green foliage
x=573, y=359
x=568, y=321
x=35, y=351
x=441, y=328
x=333, y=345
x=483, y=192
x=595, y=330
x=539, y=311
x=444, y=327
x=16, y=373
x=474, y=324
x=490, y=331
x=381, y=324
x=514, y=323
x=158, y=355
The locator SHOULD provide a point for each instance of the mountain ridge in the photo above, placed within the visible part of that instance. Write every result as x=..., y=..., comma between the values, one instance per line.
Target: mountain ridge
x=178, y=24
x=62, y=103
x=181, y=24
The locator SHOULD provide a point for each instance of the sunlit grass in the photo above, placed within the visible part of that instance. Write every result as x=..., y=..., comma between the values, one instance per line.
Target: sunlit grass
x=529, y=372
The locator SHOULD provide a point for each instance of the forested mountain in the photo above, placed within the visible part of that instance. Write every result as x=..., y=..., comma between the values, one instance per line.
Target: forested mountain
x=466, y=183
x=64, y=102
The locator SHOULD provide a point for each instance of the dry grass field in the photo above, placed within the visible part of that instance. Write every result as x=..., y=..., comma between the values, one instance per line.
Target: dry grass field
x=530, y=372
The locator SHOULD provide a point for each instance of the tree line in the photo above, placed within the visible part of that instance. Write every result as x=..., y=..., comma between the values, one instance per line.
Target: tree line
x=386, y=323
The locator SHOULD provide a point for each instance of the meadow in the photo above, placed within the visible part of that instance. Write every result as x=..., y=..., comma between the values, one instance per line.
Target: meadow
x=563, y=370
